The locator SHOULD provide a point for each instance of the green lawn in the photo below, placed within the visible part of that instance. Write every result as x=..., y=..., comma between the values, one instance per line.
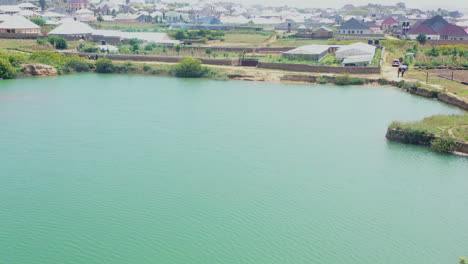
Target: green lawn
x=30, y=45
x=242, y=39
x=297, y=42
x=451, y=86
x=454, y=126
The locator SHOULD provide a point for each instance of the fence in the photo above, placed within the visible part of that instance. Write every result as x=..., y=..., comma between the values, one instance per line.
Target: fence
x=172, y=59
x=317, y=68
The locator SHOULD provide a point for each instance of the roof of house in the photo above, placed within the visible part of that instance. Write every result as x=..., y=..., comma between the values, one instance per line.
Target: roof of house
x=18, y=22
x=353, y=23
x=356, y=48
x=389, y=21
x=359, y=58
x=436, y=23
x=10, y=8
x=84, y=11
x=452, y=30
x=72, y=27
x=309, y=49
x=323, y=29
x=437, y=26
x=421, y=29
x=52, y=14
x=26, y=5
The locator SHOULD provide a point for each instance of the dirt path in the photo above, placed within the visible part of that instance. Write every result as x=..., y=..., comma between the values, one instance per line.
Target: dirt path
x=269, y=40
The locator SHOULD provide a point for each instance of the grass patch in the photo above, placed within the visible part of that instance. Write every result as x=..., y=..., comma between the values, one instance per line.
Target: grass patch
x=243, y=39
x=448, y=126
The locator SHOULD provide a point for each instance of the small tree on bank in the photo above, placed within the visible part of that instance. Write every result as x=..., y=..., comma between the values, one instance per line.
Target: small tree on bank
x=105, y=65
x=57, y=42
x=190, y=68
x=7, y=71
x=421, y=38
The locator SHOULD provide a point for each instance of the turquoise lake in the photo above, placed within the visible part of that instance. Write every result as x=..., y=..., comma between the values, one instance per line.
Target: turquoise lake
x=139, y=169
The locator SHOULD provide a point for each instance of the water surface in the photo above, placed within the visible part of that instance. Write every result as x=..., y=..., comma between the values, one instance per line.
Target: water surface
x=138, y=169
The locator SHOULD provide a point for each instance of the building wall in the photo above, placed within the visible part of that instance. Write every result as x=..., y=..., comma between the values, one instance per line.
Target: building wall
x=316, y=68
x=36, y=31
x=414, y=36
x=354, y=31
x=305, y=57
x=77, y=6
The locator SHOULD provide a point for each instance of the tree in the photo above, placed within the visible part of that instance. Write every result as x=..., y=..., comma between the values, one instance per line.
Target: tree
x=190, y=68
x=421, y=38
x=105, y=65
x=208, y=51
x=7, y=71
x=38, y=21
x=135, y=48
x=434, y=52
x=181, y=34
x=100, y=19
x=177, y=48
x=57, y=42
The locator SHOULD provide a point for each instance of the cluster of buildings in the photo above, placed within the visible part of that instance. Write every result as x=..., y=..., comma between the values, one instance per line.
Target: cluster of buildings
x=348, y=22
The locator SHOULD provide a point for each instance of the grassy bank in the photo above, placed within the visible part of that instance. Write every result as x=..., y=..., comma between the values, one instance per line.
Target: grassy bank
x=450, y=126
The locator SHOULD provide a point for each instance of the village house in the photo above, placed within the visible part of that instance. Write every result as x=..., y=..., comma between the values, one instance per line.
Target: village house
x=389, y=25
x=354, y=27
x=307, y=53
x=75, y=5
x=322, y=32
x=437, y=28
x=17, y=25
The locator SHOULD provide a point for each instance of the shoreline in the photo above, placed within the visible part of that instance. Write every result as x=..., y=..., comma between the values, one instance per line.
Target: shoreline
x=263, y=75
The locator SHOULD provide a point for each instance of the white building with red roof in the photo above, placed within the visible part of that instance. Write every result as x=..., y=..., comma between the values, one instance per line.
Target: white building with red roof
x=389, y=25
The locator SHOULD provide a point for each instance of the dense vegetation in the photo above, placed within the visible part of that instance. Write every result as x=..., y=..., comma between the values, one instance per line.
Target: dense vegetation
x=428, y=57
x=347, y=80
x=190, y=68
x=202, y=34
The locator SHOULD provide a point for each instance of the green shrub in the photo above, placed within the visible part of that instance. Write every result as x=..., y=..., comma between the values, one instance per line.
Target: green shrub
x=38, y=21
x=322, y=80
x=90, y=49
x=434, y=52
x=444, y=145
x=146, y=68
x=190, y=68
x=382, y=81
x=77, y=64
x=105, y=65
x=401, y=84
x=7, y=71
x=358, y=81
x=343, y=80
x=57, y=42
x=17, y=59
x=40, y=41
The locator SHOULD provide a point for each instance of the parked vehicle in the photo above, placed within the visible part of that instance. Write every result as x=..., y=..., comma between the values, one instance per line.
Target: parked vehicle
x=396, y=63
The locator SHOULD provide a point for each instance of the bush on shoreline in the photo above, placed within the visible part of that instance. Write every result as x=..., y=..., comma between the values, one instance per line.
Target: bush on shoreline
x=190, y=68
x=347, y=80
x=444, y=145
x=7, y=71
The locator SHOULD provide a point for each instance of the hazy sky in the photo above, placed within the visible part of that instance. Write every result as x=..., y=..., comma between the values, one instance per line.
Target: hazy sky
x=461, y=5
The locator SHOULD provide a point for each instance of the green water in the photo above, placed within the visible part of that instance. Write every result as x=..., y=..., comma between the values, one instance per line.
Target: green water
x=138, y=169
